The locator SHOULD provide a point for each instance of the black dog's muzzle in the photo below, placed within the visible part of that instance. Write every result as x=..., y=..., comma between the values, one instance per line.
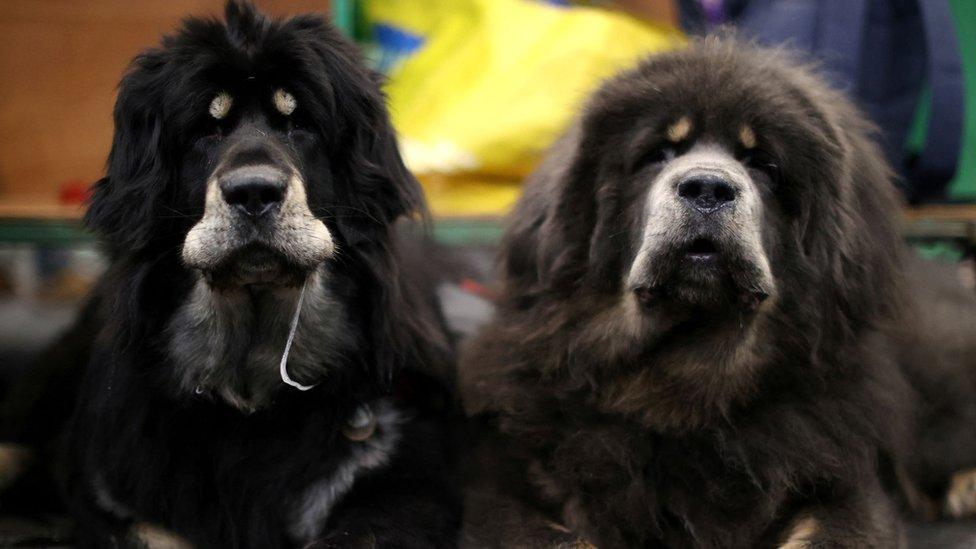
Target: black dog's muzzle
x=254, y=191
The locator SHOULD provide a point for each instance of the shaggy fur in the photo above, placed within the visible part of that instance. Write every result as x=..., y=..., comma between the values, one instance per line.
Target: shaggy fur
x=182, y=423
x=936, y=347
x=687, y=370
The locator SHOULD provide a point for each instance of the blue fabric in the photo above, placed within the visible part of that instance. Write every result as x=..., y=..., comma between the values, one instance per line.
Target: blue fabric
x=882, y=52
x=394, y=44
x=943, y=145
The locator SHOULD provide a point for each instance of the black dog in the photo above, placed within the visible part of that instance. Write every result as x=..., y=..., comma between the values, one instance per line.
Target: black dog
x=690, y=345
x=265, y=372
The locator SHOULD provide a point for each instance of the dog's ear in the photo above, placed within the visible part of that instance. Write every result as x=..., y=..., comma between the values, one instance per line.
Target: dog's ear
x=387, y=191
x=123, y=204
x=365, y=157
x=547, y=243
x=373, y=161
x=376, y=187
x=847, y=226
x=377, y=165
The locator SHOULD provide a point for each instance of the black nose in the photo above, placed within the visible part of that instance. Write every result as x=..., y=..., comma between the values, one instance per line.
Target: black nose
x=706, y=193
x=253, y=191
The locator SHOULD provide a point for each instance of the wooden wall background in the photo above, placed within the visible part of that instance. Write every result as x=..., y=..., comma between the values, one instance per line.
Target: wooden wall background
x=60, y=62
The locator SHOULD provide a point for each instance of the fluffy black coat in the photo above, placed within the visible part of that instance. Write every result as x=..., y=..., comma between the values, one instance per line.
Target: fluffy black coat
x=142, y=449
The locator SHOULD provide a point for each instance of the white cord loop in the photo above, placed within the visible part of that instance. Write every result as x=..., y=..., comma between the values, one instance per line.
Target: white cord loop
x=283, y=368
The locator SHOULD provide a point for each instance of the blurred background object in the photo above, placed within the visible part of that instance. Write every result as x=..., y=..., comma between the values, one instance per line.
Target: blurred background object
x=486, y=85
x=911, y=66
x=60, y=62
x=904, y=61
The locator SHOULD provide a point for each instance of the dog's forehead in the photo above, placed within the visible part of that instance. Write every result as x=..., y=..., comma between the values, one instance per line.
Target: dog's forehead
x=706, y=158
x=691, y=99
x=678, y=119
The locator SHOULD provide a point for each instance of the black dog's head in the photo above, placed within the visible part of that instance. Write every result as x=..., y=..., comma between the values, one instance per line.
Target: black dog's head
x=253, y=157
x=711, y=185
x=257, y=146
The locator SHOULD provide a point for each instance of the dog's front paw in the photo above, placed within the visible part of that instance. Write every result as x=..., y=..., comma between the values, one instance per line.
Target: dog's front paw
x=960, y=501
x=151, y=536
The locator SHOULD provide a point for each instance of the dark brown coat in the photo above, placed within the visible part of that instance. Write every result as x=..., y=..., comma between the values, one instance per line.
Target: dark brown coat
x=692, y=422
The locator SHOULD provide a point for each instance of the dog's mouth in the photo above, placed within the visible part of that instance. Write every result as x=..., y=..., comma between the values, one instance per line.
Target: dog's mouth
x=702, y=250
x=255, y=264
x=701, y=272
x=702, y=260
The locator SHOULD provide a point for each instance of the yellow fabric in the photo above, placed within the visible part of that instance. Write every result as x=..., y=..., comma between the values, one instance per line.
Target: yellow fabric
x=469, y=195
x=495, y=82
x=417, y=17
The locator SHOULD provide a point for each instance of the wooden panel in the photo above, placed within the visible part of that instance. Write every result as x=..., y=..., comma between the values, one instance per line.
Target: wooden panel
x=60, y=62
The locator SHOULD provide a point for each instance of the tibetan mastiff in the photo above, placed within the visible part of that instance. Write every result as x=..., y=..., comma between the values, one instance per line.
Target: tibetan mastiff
x=690, y=347
x=267, y=371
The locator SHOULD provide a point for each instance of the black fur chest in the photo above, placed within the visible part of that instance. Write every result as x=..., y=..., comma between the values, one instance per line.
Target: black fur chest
x=219, y=477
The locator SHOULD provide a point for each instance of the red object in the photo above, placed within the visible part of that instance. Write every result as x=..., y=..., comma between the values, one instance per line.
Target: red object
x=74, y=191
x=476, y=288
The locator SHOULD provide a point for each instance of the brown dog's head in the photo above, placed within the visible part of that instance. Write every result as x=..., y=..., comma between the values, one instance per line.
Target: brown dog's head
x=712, y=179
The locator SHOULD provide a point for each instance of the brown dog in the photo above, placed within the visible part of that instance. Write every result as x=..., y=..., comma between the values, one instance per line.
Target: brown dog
x=690, y=348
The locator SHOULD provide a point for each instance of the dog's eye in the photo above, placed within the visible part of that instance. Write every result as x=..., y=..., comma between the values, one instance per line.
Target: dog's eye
x=220, y=105
x=284, y=102
x=764, y=162
x=656, y=155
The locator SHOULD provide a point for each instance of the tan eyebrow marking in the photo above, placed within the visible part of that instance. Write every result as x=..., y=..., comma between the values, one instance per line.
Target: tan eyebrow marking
x=220, y=105
x=284, y=102
x=678, y=131
x=747, y=136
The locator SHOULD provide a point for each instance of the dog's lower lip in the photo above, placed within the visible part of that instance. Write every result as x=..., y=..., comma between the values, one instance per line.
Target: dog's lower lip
x=258, y=267
x=705, y=259
x=255, y=265
x=702, y=250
